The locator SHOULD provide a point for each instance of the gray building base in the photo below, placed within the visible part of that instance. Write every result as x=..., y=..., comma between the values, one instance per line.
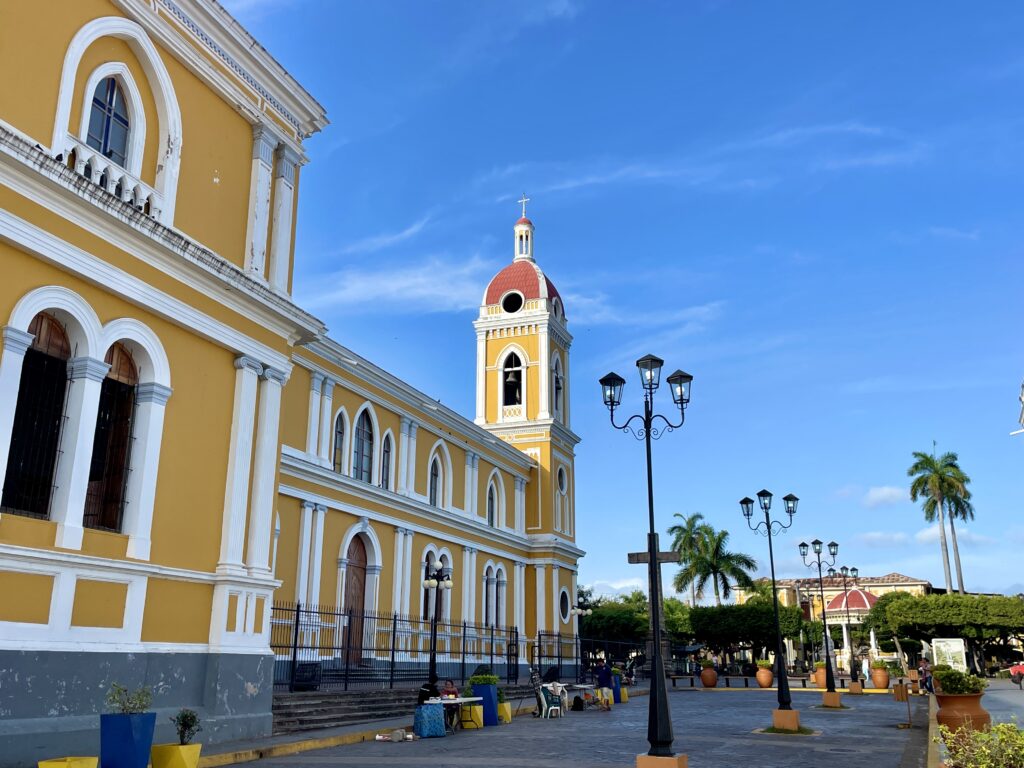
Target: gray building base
x=50, y=701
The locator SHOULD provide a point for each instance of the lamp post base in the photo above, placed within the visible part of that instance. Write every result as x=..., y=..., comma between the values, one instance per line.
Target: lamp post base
x=856, y=688
x=831, y=699
x=650, y=761
x=786, y=719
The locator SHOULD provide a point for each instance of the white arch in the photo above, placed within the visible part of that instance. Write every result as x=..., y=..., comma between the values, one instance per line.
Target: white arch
x=438, y=555
x=136, y=112
x=83, y=326
x=375, y=445
x=524, y=389
x=393, y=470
x=346, y=463
x=440, y=450
x=374, y=561
x=145, y=347
x=495, y=479
x=373, y=550
x=168, y=111
x=557, y=371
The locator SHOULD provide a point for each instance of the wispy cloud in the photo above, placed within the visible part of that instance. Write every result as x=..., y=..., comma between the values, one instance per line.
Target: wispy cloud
x=883, y=495
x=931, y=535
x=386, y=239
x=619, y=587
x=882, y=538
x=441, y=283
x=883, y=159
x=952, y=233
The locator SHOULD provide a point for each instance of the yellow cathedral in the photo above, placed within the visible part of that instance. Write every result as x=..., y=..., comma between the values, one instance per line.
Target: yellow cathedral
x=202, y=491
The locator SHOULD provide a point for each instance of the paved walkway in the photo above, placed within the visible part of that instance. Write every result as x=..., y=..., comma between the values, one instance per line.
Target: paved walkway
x=1004, y=701
x=713, y=727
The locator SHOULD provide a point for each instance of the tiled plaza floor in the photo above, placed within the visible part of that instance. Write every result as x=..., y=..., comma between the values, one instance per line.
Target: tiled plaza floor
x=713, y=727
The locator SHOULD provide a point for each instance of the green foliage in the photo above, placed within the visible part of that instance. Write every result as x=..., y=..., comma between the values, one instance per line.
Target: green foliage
x=819, y=665
x=501, y=695
x=972, y=617
x=878, y=619
x=751, y=625
x=1002, y=746
x=879, y=664
x=710, y=562
x=614, y=620
x=802, y=731
x=707, y=664
x=483, y=680
x=186, y=723
x=940, y=668
x=125, y=702
x=677, y=619
x=764, y=664
x=955, y=683
x=617, y=671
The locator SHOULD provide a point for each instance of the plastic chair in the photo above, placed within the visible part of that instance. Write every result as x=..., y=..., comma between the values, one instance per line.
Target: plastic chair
x=552, y=703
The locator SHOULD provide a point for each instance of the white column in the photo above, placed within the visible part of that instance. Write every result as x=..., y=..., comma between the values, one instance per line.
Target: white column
x=846, y=643
x=236, y=491
x=339, y=595
x=410, y=466
x=407, y=582
x=481, y=377
x=874, y=643
x=264, y=472
x=572, y=604
x=520, y=504
x=372, y=587
x=140, y=490
x=263, y=143
x=305, y=538
x=492, y=598
x=468, y=505
x=403, y=455
x=476, y=485
x=399, y=570
x=317, y=556
x=541, y=594
x=281, y=222
x=313, y=426
x=518, y=598
x=71, y=479
x=16, y=343
x=556, y=592
x=465, y=579
x=326, y=425
x=544, y=379
x=471, y=578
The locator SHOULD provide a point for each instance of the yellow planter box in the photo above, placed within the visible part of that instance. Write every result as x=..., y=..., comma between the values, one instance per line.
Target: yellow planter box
x=505, y=712
x=472, y=716
x=69, y=762
x=175, y=755
x=624, y=694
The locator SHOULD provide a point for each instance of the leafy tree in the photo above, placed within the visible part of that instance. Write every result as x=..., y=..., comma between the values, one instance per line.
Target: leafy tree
x=686, y=537
x=751, y=625
x=878, y=619
x=614, y=620
x=677, y=619
x=937, y=479
x=712, y=562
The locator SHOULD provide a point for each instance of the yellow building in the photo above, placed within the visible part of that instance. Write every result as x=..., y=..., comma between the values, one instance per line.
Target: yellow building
x=181, y=446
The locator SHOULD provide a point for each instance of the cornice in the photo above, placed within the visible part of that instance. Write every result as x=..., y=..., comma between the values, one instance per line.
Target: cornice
x=516, y=429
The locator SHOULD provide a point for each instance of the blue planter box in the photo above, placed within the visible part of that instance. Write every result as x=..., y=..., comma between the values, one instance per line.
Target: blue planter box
x=125, y=740
x=489, y=694
x=617, y=688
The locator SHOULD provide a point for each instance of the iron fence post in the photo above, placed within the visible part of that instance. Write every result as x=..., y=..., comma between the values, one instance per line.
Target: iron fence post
x=348, y=645
x=295, y=648
x=558, y=660
x=394, y=634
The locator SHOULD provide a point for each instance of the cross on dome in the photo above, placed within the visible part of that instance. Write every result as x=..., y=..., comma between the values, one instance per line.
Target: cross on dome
x=523, y=200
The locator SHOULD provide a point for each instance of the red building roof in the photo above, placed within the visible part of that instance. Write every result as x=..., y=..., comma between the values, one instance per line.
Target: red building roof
x=523, y=276
x=860, y=600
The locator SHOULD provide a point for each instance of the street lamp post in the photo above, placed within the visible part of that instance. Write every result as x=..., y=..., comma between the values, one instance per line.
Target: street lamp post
x=659, y=720
x=853, y=573
x=818, y=561
x=771, y=528
x=437, y=580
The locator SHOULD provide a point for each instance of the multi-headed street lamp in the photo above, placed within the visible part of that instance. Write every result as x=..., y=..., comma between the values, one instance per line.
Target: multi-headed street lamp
x=818, y=561
x=771, y=528
x=852, y=573
x=438, y=580
x=659, y=720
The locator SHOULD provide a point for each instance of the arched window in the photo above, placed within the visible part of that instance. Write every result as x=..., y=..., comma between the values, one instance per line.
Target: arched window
x=385, y=463
x=108, y=121
x=339, y=444
x=111, y=446
x=512, y=380
x=38, y=416
x=362, y=451
x=559, y=390
x=492, y=505
x=434, y=489
x=428, y=571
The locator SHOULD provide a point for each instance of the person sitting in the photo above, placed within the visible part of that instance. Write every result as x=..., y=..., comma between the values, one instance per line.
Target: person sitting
x=428, y=690
x=451, y=711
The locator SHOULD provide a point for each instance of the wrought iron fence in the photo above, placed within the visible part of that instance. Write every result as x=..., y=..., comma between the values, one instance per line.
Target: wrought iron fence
x=323, y=648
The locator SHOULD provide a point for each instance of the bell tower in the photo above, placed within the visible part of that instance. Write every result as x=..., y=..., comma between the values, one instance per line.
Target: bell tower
x=522, y=378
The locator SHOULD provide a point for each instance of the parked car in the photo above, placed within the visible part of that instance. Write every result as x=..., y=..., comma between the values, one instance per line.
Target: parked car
x=1017, y=674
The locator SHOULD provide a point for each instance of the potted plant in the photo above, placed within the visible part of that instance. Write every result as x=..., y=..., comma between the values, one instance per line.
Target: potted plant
x=504, y=708
x=765, y=676
x=820, y=675
x=708, y=675
x=617, y=685
x=936, y=685
x=1002, y=745
x=879, y=674
x=126, y=734
x=960, y=700
x=486, y=687
x=183, y=754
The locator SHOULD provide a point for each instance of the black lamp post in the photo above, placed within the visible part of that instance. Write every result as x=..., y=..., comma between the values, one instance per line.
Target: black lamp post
x=438, y=580
x=770, y=528
x=854, y=573
x=659, y=721
x=833, y=550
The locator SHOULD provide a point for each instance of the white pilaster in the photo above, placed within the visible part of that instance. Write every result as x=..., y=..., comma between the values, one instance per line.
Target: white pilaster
x=281, y=223
x=403, y=455
x=236, y=490
x=313, y=425
x=874, y=643
x=317, y=553
x=372, y=588
x=410, y=483
x=501, y=603
x=264, y=473
x=263, y=143
x=491, y=585
x=326, y=426
x=71, y=478
x=468, y=504
x=476, y=485
x=399, y=570
x=481, y=377
x=575, y=620
x=556, y=592
x=545, y=373
x=140, y=491
x=407, y=582
x=471, y=578
x=465, y=579
x=16, y=343
x=520, y=504
x=305, y=539
x=541, y=597
x=517, y=595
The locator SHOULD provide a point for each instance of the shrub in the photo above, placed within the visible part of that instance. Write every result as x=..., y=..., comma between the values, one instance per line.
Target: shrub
x=125, y=702
x=501, y=696
x=879, y=664
x=819, y=665
x=617, y=671
x=483, y=680
x=1000, y=747
x=707, y=664
x=955, y=683
x=764, y=664
x=186, y=723
x=940, y=668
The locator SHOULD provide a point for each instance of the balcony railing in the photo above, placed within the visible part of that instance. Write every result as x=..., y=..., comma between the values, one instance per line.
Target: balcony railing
x=105, y=173
x=511, y=412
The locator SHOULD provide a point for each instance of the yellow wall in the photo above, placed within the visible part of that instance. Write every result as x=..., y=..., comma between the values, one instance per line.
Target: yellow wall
x=26, y=597
x=99, y=603
x=176, y=612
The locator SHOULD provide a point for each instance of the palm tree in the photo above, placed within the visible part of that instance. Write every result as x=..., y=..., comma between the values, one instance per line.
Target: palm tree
x=935, y=480
x=959, y=506
x=713, y=562
x=685, y=538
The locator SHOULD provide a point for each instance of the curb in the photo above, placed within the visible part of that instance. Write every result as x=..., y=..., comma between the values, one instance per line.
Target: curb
x=934, y=760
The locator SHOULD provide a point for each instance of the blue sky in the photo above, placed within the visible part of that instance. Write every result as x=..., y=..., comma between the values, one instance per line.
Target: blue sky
x=814, y=208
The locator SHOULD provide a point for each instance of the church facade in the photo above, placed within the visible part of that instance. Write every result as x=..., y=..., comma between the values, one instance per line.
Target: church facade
x=184, y=449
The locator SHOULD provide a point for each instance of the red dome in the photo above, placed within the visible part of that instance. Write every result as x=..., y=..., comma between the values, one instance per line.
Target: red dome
x=523, y=276
x=860, y=600
x=524, y=220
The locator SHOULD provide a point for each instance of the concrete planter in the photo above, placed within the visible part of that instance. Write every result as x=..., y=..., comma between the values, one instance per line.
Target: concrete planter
x=820, y=677
x=708, y=677
x=472, y=716
x=69, y=762
x=504, y=713
x=125, y=740
x=962, y=710
x=175, y=755
x=765, y=677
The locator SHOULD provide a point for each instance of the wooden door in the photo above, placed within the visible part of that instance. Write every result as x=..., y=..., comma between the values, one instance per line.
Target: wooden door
x=355, y=597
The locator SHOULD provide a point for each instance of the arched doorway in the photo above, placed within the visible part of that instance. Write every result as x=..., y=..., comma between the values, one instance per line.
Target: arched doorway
x=355, y=597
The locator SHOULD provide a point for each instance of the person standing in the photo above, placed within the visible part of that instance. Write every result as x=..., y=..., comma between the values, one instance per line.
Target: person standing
x=865, y=669
x=604, y=685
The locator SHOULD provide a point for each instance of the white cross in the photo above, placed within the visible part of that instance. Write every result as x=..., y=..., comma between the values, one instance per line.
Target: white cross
x=524, y=200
